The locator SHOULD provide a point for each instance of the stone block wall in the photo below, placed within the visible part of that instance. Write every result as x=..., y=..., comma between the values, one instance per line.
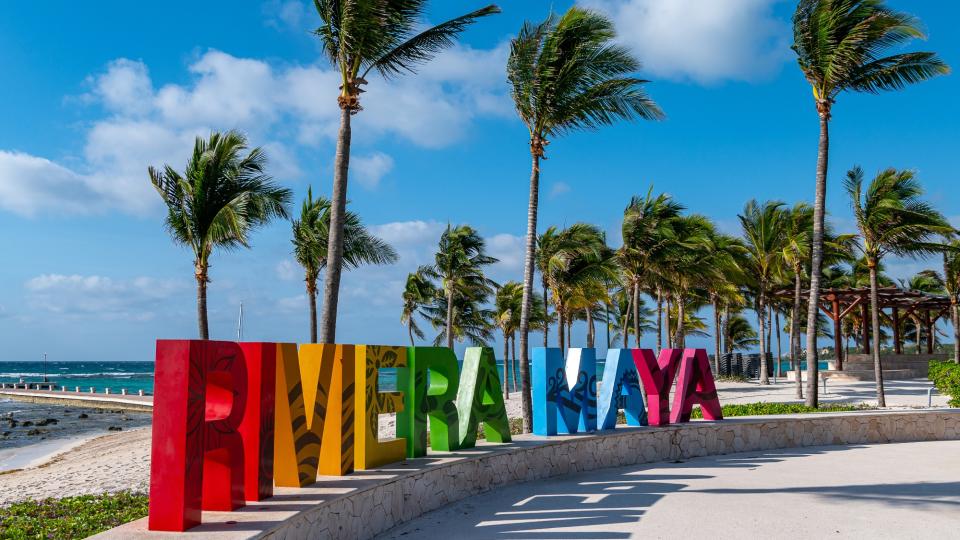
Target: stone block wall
x=399, y=495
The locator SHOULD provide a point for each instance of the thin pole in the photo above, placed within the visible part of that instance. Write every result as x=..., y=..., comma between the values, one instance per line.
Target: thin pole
x=240, y=324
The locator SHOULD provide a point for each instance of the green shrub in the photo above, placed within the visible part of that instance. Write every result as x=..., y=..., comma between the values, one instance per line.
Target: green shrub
x=772, y=408
x=945, y=375
x=70, y=517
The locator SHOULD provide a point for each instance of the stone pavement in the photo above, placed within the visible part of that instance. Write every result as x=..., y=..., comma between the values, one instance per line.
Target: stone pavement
x=905, y=490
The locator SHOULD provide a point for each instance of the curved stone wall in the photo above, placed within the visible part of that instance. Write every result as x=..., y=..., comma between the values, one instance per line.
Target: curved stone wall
x=370, y=502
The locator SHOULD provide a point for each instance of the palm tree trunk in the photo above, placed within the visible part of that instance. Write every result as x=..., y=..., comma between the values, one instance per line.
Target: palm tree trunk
x=506, y=366
x=875, y=316
x=606, y=316
x=636, y=312
x=546, y=317
x=312, y=297
x=669, y=336
x=776, y=319
x=201, y=275
x=726, y=329
x=678, y=337
x=956, y=328
x=762, y=317
x=624, y=326
x=449, y=328
x=528, y=290
x=795, y=331
x=561, y=322
x=590, y=329
x=513, y=360
x=659, y=319
x=716, y=331
x=816, y=259
x=338, y=208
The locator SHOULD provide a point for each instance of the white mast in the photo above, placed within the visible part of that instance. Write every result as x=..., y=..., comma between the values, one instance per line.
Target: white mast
x=240, y=324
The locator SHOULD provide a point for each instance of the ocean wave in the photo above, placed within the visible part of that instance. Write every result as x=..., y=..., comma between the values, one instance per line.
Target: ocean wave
x=107, y=375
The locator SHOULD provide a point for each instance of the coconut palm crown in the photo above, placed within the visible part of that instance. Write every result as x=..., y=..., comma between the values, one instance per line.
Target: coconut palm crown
x=222, y=196
x=892, y=219
x=359, y=36
x=840, y=46
x=311, y=234
x=566, y=74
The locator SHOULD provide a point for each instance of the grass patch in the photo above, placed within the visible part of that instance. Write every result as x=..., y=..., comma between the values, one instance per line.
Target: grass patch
x=70, y=517
x=731, y=378
x=764, y=409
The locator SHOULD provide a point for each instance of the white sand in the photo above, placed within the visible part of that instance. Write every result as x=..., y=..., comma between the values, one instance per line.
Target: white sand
x=121, y=461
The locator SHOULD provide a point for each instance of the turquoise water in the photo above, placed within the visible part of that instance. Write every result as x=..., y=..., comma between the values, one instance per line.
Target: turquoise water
x=133, y=376
x=785, y=366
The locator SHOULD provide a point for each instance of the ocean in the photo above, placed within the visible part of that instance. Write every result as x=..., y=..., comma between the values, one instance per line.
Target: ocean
x=133, y=376
x=116, y=376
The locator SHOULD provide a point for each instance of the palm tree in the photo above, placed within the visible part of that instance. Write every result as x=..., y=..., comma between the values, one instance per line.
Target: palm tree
x=646, y=231
x=567, y=74
x=740, y=334
x=839, y=46
x=467, y=320
x=690, y=256
x=891, y=218
x=358, y=37
x=578, y=276
x=459, y=261
x=222, y=196
x=561, y=264
x=418, y=292
x=620, y=320
x=310, y=242
x=507, y=317
x=925, y=281
x=764, y=227
x=726, y=255
x=951, y=283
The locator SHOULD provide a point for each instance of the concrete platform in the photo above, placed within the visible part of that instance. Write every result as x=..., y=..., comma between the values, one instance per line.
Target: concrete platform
x=82, y=399
x=819, y=492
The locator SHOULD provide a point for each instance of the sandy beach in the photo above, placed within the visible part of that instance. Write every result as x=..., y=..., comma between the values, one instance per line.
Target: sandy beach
x=121, y=461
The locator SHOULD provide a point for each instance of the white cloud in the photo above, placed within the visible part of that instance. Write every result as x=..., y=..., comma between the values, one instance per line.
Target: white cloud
x=125, y=88
x=289, y=14
x=287, y=270
x=369, y=170
x=292, y=304
x=559, y=188
x=279, y=106
x=509, y=249
x=99, y=296
x=702, y=40
x=409, y=233
x=29, y=184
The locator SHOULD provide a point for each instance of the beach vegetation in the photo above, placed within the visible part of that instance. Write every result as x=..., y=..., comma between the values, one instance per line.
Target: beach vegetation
x=68, y=518
x=566, y=74
x=311, y=234
x=357, y=38
x=220, y=198
x=892, y=219
x=840, y=47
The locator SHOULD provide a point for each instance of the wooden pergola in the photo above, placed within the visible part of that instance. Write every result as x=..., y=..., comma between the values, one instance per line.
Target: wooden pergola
x=838, y=303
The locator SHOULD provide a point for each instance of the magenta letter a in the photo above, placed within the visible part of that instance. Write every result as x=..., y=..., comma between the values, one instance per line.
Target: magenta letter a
x=656, y=374
x=695, y=386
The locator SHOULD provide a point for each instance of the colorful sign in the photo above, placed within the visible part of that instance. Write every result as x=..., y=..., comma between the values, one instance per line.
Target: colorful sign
x=231, y=420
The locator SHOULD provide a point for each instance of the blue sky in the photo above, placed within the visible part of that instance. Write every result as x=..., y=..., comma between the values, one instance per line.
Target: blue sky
x=92, y=96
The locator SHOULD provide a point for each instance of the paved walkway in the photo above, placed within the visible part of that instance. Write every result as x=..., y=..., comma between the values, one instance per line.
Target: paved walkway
x=902, y=393
x=909, y=490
